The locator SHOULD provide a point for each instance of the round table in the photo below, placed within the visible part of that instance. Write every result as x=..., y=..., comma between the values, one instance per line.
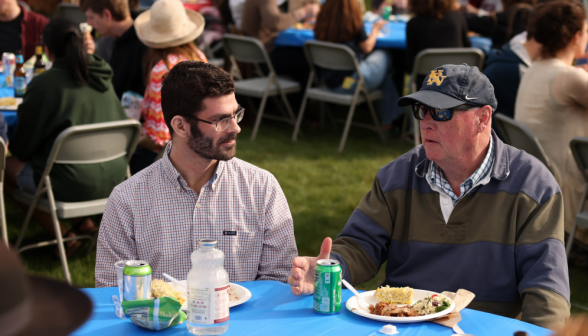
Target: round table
x=274, y=310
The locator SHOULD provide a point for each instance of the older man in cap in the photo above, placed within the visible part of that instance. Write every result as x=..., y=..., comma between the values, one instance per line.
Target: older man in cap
x=463, y=210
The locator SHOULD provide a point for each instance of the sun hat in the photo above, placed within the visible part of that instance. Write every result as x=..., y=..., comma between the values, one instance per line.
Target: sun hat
x=168, y=24
x=450, y=85
x=35, y=306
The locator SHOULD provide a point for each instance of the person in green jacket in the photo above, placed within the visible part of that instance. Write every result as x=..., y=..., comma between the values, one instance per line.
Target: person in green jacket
x=77, y=90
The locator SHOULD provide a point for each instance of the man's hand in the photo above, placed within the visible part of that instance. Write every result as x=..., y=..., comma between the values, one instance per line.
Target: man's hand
x=89, y=44
x=301, y=277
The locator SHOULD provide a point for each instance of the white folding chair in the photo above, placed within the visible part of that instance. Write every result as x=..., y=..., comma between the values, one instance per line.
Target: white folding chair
x=250, y=50
x=71, y=11
x=519, y=136
x=2, y=210
x=336, y=56
x=579, y=147
x=84, y=144
x=429, y=59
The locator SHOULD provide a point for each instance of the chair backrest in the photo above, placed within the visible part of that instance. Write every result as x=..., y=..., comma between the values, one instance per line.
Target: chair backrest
x=71, y=11
x=333, y=56
x=429, y=59
x=245, y=49
x=94, y=143
x=519, y=136
x=579, y=148
x=24, y=5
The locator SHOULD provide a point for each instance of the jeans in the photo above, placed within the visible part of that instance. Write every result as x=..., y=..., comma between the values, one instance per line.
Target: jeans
x=375, y=70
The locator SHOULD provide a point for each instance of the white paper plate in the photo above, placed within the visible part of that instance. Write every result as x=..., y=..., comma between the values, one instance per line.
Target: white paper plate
x=243, y=293
x=419, y=294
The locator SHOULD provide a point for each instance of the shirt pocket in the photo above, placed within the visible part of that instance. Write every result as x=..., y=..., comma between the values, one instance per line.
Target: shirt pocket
x=242, y=242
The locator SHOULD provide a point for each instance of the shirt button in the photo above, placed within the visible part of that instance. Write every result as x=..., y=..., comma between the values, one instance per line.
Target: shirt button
x=445, y=202
x=198, y=205
x=213, y=186
x=179, y=188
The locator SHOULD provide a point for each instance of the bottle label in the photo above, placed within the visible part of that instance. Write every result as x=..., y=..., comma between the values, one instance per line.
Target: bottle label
x=38, y=71
x=19, y=59
x=20, y=86
x=208, y=305
x=39, y=50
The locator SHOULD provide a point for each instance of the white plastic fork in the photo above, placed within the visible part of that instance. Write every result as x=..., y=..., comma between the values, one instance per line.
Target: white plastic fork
x=360, y=301
x=172, y=279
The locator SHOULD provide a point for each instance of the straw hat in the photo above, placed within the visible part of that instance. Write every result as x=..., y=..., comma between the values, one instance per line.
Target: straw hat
x=31, y=305
x=168, y=24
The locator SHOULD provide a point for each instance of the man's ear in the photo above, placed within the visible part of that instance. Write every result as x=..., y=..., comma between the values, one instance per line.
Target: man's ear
x=181, y=127
x=485, y=116
x=106, y=14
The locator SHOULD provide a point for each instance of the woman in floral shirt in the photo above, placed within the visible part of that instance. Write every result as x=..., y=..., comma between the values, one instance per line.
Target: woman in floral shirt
x=170, y=44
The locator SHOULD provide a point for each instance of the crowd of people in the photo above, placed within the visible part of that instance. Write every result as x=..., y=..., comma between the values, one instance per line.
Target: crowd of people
x=464, y=206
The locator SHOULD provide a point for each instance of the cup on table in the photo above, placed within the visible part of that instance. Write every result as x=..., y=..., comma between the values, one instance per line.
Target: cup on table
x=120, y=266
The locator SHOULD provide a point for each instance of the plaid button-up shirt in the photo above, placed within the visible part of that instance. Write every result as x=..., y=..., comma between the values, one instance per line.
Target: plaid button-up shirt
x=436, y=176
x=154, y=216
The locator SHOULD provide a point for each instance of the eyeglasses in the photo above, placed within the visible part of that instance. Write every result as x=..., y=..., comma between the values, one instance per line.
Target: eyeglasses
x=221, y=124
x=420, y=111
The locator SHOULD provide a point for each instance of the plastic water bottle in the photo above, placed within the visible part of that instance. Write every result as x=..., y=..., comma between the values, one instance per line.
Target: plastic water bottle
x=208, y=291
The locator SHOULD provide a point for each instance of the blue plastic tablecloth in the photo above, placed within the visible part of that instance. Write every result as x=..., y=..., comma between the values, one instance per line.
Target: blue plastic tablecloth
x=9, y=116
x=274, y=310
x=392, y=35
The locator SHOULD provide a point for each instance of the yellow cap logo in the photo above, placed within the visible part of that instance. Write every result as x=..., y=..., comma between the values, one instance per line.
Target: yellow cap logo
x=436, y=77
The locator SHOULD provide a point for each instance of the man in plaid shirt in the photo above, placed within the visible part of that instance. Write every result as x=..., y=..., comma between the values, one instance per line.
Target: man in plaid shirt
x=198, y=190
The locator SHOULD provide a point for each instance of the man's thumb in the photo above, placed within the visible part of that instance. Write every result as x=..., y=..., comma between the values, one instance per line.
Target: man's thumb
x=326, y=249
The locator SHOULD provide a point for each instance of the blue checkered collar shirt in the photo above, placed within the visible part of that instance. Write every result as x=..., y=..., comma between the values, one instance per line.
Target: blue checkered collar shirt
x=436, y=176
x=155, y=216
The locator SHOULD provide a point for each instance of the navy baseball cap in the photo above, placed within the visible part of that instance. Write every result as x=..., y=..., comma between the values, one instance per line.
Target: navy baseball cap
x=452, y=85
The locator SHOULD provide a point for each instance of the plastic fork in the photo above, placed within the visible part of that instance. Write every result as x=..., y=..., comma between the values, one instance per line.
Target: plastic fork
x=360, y=301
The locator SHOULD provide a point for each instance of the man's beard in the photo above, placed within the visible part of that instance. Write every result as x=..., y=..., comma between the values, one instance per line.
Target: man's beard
x=203, y=145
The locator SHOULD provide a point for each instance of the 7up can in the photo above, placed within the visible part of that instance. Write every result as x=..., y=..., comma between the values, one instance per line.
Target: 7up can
x=136, y=280
x=327, y=287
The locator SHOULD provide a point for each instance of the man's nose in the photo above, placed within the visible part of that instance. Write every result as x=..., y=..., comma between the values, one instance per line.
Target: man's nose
x=427, y=122
x=234, y=127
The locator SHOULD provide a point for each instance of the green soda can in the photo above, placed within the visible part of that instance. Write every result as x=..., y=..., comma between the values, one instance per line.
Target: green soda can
x=136, y=280
x=327, y=287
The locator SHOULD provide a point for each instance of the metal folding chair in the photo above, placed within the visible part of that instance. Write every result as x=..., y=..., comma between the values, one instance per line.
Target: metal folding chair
x=2, y=210
x=428, y=60
x=336, y=56
x=250, y=50
x=579, y=147
x=71, y=11
x=519, y=136
x=84, y=144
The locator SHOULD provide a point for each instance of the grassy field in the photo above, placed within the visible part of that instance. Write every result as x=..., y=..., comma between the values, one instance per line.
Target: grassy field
x=322, y=187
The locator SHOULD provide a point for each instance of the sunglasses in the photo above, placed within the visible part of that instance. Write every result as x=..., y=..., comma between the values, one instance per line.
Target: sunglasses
x=420, y=111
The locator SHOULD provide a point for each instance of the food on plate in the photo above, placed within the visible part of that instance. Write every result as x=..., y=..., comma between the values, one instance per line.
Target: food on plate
x=304, y=25
x=233, y=295
x=160, y=288
x=397, y=302
x=386, y=309
x=7, y=101
x=393, y=295
x=431, y=304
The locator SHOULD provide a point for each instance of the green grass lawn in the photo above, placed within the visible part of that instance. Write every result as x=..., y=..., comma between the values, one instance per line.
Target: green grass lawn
x=322, y=186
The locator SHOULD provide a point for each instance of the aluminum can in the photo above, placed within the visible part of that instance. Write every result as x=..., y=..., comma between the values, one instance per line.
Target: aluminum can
x=136, y=280
x=327, y=287
x=9, y=64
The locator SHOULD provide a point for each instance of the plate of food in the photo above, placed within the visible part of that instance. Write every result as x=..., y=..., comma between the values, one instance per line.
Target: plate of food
x=9, y=103
x=401, y=305
x=237, y=293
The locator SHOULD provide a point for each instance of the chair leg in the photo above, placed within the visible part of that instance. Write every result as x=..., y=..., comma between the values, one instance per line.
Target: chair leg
x=347, y=126
x=259, y=116
x=417, y=132
x=288, y=107
x=3, y=215
x=29, y=216
x=57, y=229
x=299, y=118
